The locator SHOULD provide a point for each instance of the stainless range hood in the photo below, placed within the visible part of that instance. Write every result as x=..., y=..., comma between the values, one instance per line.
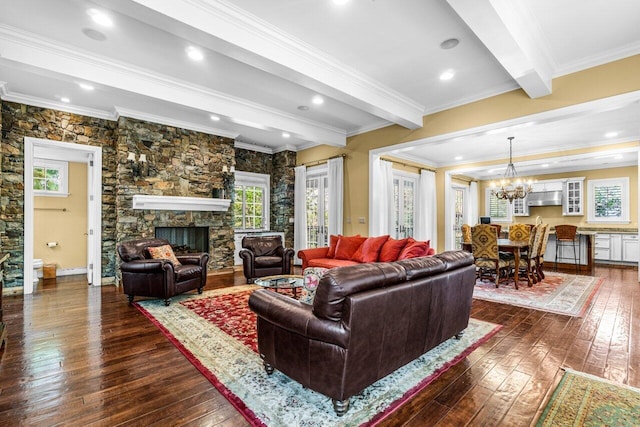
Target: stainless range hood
x=545, y=198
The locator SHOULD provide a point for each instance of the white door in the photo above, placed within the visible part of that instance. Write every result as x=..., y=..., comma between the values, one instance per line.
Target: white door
x=90, y=219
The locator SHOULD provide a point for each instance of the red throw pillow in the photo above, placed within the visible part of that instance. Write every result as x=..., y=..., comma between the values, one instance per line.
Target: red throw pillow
x=391, y=249
x=413, y=249
x=347, y=246
x=370, y=249
x=333, y=242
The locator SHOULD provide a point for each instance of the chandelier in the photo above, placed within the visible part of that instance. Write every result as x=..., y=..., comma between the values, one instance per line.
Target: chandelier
x=511, y=186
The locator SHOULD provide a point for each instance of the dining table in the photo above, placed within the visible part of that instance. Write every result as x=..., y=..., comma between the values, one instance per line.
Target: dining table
x=516, y=247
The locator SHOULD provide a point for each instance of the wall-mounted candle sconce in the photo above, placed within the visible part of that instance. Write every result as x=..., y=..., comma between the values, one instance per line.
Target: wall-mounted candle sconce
x=138, y=168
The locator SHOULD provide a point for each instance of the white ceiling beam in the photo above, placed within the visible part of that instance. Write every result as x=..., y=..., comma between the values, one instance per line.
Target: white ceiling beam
x=508, y=30
x=34, y=51
x=264, y=46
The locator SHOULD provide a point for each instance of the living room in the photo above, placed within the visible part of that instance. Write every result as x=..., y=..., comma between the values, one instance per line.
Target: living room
x=200, y=157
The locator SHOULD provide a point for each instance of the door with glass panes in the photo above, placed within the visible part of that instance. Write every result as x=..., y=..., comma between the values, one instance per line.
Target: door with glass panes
x=317, y=210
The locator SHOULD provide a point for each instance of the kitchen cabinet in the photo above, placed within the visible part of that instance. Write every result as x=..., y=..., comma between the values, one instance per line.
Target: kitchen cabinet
x=520, y=207
x=630, y=248
x=617, y=247
x=573, y=197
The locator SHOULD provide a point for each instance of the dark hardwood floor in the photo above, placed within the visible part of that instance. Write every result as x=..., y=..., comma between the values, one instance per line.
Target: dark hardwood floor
x=79, y=355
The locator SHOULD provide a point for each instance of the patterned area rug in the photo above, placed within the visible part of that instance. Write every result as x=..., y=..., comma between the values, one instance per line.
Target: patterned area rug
x=558, y=293
x=216, y=332
x=584, y=400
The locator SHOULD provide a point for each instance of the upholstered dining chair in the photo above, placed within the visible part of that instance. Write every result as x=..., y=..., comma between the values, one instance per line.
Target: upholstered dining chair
x=466, y=233
x=543, y=248
x=520, y=232
x=528, y=261
x=484, y=246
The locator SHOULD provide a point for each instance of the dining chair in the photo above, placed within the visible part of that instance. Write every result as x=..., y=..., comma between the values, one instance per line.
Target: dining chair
x=519, y=232
x=484, y=246
x=543, y=248
x=527, y=265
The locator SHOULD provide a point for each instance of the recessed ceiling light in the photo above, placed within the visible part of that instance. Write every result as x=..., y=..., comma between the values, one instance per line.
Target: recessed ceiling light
x=449, y=43
x=447, y=75
x=86, y=86
x=303, y=107
x=99, y=17
x=618, y=156
x=195, y=53
x=611, y=134
x=317, y=100
x=94, y=34
x=64, y=99
x=215, y=118
x=457, y=158
x=285, y=135
x=545, y=165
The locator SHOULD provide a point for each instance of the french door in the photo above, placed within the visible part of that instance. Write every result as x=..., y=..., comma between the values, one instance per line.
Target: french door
x=459, y=205
x=317, y=209
x=404, y=198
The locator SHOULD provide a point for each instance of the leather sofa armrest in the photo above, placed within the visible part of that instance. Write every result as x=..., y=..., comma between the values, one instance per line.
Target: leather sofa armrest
x=312, y=253
x=297, y=317
x=147, y=266
x=199, y=258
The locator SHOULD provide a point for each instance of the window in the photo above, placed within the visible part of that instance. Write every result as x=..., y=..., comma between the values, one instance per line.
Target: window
x=251, y=201
x=50, y=178
x=609, y=200
x=317, y=207
x=404, y=199
x=498, y=209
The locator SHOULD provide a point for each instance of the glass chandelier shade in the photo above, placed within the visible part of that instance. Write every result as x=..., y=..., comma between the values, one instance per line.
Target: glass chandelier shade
x=511, y=186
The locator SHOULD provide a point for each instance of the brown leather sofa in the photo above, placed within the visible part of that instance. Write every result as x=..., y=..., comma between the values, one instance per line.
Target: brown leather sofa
x=144, y=276
x=264, y=256
x=366, y=321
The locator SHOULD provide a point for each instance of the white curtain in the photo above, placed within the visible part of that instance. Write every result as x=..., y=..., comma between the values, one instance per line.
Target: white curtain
x=336, y=189
x=300, y=212
x=382, y=209
x=472, y=205
x=426, y=226
x=448, y=213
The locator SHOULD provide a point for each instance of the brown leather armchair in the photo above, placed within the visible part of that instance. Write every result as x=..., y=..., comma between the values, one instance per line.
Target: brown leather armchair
x=264, y=256
x=145, y=276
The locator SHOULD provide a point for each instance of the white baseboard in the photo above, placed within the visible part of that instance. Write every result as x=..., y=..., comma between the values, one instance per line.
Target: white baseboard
x=65, y=271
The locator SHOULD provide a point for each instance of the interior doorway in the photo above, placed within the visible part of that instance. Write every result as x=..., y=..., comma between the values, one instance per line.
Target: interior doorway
x=64, y=151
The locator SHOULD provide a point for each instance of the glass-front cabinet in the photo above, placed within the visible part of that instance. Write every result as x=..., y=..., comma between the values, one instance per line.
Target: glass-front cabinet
x=572, y=203
x=520, y=207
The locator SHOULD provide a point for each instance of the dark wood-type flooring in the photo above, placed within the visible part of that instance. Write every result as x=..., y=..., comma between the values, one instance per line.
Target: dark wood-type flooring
x=79, y=355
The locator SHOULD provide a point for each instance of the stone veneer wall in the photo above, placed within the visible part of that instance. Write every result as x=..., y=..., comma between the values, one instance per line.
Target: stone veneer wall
x=281, y=168
x=181, y=163
x=19, y=121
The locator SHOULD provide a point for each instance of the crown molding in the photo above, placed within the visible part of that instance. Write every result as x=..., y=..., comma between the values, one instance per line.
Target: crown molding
x=280, y=53
x=27, y=48
x=373, y=126
x=286, y=147
x=163, y=120
x=253, y=147
x=55, y=105
x=622, y=52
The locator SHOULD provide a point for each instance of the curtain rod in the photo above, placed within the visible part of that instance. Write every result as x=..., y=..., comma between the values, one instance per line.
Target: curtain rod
x=317, y=162
x=410, y=166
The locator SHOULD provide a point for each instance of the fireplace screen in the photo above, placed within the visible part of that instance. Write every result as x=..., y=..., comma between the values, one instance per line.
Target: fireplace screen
x=185, y=239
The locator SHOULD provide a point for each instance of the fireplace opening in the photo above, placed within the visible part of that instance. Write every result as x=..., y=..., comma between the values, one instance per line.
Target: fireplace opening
x=185, y=239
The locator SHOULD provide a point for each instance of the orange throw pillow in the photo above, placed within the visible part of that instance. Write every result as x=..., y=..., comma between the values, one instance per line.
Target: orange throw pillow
x=347, y=246
x=370, y=249
x=164, y=252
x=333, y=242
x=391, y=249
x=414, y=249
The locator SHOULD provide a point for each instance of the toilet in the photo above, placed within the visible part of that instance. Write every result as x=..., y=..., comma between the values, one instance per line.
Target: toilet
x=37, y=264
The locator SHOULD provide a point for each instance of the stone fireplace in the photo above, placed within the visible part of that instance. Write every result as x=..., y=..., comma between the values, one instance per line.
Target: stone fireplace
x=185, y=239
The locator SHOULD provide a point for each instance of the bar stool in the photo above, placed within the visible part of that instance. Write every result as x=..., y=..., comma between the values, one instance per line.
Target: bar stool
x=566, y=236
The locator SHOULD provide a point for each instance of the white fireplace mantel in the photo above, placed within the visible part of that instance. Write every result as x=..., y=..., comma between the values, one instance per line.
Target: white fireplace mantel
x=177, y=203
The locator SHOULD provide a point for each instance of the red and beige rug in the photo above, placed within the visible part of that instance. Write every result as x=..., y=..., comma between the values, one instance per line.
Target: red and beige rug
x=585, y=400
x=558, y=293
x=216, y=332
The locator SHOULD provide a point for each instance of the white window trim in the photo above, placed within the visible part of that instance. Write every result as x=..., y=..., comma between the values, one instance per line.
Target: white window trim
x=260, y=180
x=591, y=211
x=63, y=167
x=487, y=204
